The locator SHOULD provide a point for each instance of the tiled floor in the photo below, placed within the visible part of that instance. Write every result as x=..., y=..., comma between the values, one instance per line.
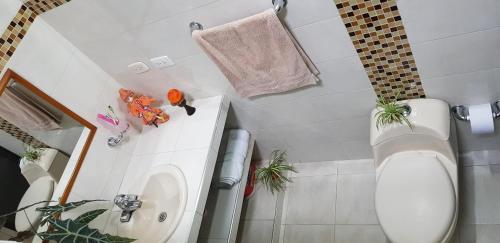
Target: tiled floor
x=334, y=202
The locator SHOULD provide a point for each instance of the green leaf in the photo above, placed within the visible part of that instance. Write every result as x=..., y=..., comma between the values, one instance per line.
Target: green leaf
x=51, y=211
x=118, y=239
x=390, y=111
x=87, y=217
x=69, y=231
x=274, y=175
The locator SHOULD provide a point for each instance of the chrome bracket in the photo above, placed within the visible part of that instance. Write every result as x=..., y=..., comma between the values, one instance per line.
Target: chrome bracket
x=461, y=112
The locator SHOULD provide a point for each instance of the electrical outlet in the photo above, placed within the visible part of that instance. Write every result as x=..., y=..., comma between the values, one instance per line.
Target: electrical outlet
x=138, y=67
x=162, y=62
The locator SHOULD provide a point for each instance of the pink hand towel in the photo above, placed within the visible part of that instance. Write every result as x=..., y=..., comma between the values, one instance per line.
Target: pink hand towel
x=258, y=55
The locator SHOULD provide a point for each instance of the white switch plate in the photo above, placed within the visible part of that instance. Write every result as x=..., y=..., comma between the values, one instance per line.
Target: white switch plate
x=138, y=67
x=162, y=62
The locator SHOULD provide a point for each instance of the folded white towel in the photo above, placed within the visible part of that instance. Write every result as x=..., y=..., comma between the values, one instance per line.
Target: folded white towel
x=238, y=134
x=237, y=147
x=232, y=169
x=234, y=158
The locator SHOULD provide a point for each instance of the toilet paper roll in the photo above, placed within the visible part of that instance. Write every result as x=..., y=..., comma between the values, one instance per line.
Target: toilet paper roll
x=481, y=119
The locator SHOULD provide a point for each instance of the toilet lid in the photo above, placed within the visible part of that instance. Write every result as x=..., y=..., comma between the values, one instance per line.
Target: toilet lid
x=39, y=190
x=415, y=199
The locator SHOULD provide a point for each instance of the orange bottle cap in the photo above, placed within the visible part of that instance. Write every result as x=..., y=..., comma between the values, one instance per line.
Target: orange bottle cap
x=175, y=96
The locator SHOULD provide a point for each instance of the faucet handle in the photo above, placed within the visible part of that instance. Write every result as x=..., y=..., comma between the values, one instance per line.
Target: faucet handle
x=123, y=201
x=126, y=197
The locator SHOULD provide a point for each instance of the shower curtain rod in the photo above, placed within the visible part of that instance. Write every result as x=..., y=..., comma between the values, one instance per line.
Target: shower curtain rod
x=278, y=6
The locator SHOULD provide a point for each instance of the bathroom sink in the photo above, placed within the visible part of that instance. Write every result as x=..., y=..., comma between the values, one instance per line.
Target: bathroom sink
x=163, y=192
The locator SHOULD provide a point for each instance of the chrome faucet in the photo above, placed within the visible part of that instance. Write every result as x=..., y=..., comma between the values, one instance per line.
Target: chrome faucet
x=128, y=203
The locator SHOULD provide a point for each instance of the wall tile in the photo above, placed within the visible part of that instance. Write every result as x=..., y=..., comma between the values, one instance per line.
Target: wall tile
x=325, y=40
x=135, y=14
x=114, y=53
x=421, y=17
x=300, y=13
x=459, y=54
x=66, y=22
x=30, y=60
x=469, y=88
x=170, y=36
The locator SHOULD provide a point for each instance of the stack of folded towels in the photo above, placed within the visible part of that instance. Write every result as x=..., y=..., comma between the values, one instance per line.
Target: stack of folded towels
x=234, y=158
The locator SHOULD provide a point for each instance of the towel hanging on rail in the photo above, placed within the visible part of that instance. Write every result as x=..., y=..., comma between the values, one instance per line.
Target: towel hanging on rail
x=258, y=55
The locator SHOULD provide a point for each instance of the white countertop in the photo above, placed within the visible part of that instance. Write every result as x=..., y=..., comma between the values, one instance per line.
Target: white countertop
x=189, y=142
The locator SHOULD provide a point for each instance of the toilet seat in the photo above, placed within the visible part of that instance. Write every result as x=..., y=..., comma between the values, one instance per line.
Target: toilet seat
x=415, y=198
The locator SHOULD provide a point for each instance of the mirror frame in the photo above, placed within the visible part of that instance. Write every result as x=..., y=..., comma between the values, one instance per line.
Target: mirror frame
x=12, y=75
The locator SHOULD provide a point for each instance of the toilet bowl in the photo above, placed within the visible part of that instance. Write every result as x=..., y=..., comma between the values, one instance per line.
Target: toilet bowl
x=40, y=190
x=416, y=195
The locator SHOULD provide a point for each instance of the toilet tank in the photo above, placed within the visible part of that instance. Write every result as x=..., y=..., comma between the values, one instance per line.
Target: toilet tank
x=432, y=130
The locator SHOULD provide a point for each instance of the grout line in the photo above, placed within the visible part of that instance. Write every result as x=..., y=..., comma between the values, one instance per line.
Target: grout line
x=316, y=22
x=426, y=79
x=451, y=36
x=336, y=195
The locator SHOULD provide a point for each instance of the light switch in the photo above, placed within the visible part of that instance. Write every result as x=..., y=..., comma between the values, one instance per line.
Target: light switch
x=162, y=62
x=138, y=67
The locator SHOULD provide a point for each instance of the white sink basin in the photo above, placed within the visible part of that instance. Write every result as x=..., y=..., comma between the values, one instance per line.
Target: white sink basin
x=162, y=190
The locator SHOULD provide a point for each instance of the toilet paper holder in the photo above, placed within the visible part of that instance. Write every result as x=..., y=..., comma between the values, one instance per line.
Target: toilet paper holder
x=461, y=112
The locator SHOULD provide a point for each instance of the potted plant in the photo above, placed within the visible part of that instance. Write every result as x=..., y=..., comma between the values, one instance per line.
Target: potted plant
x=274, y=176
x=31, y=155
x=68, y=230
x=392, y=111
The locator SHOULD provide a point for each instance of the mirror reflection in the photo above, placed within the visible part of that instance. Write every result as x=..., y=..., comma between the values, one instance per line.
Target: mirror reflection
x=36, y=143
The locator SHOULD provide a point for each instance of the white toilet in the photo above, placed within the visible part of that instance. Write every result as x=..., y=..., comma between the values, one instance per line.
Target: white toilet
x=416, y=196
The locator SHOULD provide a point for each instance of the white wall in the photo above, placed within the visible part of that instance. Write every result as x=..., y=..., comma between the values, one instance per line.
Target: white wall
x=8, y=10
x=11, y=143
x=55, y=66
x=455, y=44
x=457, y=51
x=326, y=122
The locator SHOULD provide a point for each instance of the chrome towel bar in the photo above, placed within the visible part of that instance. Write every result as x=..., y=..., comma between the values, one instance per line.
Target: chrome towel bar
x=278, y=6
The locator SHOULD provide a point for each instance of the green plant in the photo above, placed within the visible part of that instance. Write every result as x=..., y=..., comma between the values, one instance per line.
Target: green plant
x=71, y=230
x=391, y=111
x=274, y=175
x=32, y=153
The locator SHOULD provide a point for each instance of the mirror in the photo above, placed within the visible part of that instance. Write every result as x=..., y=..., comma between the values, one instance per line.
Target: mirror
x=38, y=141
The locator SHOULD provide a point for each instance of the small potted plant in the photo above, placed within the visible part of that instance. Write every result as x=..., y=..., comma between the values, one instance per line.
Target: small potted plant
x=274, y=176
x=392, y=111
x=31, y=155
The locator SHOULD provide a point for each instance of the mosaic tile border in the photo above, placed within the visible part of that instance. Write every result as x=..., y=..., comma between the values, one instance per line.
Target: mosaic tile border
x=14, y=33
x=20, y=135
x=42, y=6
x=377, y=32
